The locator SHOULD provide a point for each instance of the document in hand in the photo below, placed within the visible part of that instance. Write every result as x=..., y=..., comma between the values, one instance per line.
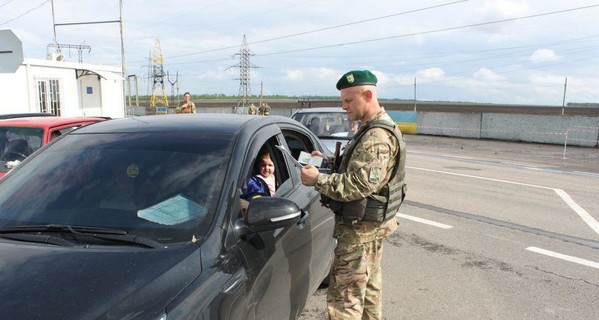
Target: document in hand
x=288, y=155
x=306, y=158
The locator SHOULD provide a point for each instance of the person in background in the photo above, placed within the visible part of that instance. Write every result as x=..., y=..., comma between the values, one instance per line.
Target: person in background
x=265, y=109
x=252, y=109
x=352, y=127
x=365, y=195
x=314, y=125
x=186, y=106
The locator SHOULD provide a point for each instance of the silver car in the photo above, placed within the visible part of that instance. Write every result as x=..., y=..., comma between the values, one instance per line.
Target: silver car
x=331, y=125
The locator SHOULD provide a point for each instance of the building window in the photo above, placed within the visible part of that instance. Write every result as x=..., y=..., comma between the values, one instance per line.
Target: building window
x=48, y=96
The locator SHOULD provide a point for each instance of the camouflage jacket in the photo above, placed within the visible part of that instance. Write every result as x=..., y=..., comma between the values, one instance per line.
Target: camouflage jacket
x=369, y=168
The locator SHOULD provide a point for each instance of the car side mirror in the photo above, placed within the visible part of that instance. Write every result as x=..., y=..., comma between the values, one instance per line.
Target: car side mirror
x=269, y=213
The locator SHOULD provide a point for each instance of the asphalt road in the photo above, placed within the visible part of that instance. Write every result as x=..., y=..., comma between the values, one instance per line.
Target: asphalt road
x=492, y=230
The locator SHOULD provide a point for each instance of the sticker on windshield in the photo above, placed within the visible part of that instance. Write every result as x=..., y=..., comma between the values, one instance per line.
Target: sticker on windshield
x=132, y=170
x=172, y=211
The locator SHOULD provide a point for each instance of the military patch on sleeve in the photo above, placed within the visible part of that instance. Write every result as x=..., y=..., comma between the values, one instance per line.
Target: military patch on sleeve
x=375, y=175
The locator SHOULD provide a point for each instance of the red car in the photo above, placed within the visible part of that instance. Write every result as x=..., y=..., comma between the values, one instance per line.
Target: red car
x=21, y=136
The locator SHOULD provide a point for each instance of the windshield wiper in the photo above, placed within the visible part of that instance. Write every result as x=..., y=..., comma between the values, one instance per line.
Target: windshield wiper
x=39, y=238
x=95, y=232
x=60, y=228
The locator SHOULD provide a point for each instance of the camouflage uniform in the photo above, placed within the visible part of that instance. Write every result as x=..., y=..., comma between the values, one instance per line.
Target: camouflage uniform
x=355, y=283
x=252, y=109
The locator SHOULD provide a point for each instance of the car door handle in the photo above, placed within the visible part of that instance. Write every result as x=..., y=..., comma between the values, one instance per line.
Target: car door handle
x=302, y=220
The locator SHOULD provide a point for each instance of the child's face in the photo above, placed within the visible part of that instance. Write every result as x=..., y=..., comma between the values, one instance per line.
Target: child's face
x=267, y=167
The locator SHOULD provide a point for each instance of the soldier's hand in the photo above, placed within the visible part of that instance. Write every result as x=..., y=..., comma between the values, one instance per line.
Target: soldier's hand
x=309, y=175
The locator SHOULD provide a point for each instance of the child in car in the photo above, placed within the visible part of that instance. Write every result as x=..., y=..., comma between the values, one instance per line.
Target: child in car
x=262, y=183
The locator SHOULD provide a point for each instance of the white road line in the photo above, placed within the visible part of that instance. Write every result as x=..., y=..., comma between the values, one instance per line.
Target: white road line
x=579, y=210
x=586, y=217
x=482, y=178
x=429, y=222
x=565, y=257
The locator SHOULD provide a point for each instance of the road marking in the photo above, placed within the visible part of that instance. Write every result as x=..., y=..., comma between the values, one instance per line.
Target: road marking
x=565, y=257
x=586, y=217
x=429, y=222
x=482, y=178
x=578, y=209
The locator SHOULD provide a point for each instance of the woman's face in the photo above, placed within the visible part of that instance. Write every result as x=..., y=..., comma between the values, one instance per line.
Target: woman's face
x=267, y=167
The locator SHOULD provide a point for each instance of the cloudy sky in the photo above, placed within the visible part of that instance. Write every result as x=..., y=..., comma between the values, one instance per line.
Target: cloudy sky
x=490, y=51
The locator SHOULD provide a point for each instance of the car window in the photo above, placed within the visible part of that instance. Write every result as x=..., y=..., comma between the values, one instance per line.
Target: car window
x=325, y=124
x=282, y=182
x=161, y=186
x=281, y=170
x=298, y=142
x=16, y=143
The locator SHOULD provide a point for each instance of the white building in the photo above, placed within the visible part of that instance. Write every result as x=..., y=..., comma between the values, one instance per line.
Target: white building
x=59, y=87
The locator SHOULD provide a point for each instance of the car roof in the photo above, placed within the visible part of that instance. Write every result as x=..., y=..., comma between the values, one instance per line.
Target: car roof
x=200, y=123
x=47, y=122
x=319, y=110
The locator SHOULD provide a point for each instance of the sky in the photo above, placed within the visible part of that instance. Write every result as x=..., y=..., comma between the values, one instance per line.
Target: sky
x=495, y=51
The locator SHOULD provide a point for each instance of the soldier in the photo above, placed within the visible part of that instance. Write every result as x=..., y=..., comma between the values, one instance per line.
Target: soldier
x=252, y=109
x=265, y=109
x=365, y=195
x=186, y=106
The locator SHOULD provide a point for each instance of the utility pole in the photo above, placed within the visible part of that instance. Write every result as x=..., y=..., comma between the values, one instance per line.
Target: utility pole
x=414, y=94
x=564, y=99
x=173, y=86
x=261, y=87
x=120, y=22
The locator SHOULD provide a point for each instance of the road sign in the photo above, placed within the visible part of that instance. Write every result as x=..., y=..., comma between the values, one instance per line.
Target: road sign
x=161, y=110
x=11, y=52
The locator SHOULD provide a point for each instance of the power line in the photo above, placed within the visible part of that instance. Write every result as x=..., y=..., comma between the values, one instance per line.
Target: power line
x=432, y=31
x=26, y=12
x=7, y=2
x=323, y=29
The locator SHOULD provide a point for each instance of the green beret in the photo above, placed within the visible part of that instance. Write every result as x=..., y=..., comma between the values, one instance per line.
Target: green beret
x=356, y=78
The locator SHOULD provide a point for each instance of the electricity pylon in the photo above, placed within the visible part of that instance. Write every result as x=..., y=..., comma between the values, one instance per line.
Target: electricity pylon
x=158, y=91
x=244, y=65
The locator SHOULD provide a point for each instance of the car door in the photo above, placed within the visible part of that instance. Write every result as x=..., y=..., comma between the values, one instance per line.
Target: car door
x=279, y=260
x=322, y=221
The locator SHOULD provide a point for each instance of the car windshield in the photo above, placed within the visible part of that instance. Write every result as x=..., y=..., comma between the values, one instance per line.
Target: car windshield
x=161, y=186
x=327, y=124
x=16, y=143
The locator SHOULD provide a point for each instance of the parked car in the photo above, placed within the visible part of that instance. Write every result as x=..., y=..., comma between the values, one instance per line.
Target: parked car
x=141, y=218
x=23, y=134
x=331, y=125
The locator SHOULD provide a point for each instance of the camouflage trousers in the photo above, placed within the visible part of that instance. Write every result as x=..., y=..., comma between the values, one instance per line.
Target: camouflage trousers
x=355, y=282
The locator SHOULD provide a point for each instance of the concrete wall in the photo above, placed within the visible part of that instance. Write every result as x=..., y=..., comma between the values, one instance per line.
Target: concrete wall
x=570, y=130
x=464, y=125
x=551, y=129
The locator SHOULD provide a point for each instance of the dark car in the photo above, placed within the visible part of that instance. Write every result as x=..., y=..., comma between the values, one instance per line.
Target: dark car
x=141, y=218
x=23, y=134
x=330, y=124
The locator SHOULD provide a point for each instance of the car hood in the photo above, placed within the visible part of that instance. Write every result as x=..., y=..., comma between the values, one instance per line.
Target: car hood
x=41, y=282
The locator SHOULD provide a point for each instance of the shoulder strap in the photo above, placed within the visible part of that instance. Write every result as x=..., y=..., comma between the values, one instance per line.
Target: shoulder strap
x=384, y=124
